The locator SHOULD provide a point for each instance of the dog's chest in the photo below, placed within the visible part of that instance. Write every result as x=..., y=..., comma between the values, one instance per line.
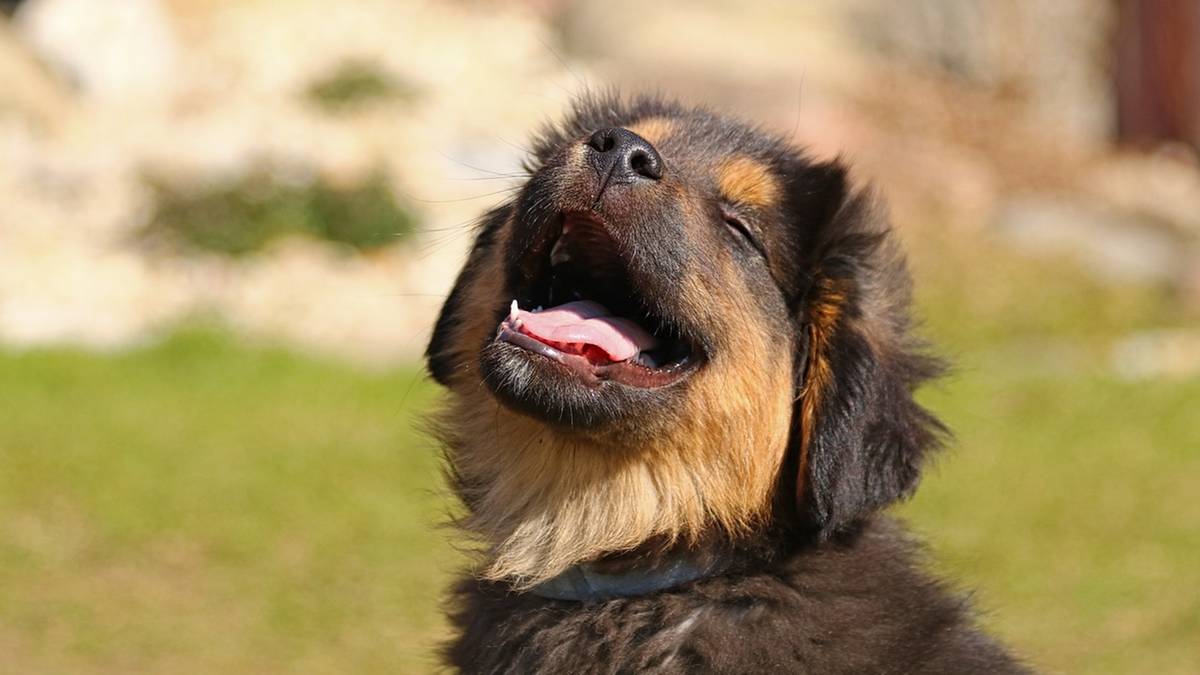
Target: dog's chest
x=854, y=614
x=668, y=633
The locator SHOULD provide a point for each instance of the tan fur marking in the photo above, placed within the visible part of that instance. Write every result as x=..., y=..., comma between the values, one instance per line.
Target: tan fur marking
x=653, y=129
x=822, y=318
x=478, y=307
x=749, y=182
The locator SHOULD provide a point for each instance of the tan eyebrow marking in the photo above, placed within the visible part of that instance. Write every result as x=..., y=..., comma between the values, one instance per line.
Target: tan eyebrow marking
x=653, y=129
x=748, y=181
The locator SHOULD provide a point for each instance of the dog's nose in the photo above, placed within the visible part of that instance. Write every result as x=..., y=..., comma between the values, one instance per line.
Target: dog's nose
x=626, y=154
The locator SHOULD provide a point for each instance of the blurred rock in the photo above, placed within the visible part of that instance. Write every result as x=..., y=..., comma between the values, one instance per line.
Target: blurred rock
x=30, y=92
x=1117, y=246
x=1051, y=56
x=115, y=51
x=369, y=309
x=1157, y=185
x=727, y=41
x=1174, y=354
x=1133, y=218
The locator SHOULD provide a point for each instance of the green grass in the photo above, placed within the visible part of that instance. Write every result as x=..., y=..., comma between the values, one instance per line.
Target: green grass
x=1068, y=500
x=205, y=505
x=355, y=85
x=1071, y=506
x=244, y=216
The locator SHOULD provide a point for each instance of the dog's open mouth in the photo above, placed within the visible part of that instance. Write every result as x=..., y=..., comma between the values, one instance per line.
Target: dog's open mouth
x=582, y=312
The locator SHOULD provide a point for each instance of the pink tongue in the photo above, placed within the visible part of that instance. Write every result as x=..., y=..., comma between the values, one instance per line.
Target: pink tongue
x=572, y=326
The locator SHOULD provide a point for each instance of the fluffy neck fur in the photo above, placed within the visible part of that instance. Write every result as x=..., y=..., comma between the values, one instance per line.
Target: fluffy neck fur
x=542, y=501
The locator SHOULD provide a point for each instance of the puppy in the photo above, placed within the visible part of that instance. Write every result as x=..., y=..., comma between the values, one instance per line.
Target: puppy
x=681, y=391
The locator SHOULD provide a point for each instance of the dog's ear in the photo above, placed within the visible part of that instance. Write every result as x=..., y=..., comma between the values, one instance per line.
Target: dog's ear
x=858, y=436
x=443, y=355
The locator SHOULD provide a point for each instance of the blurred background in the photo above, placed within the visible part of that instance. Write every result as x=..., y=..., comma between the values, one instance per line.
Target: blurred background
x=226, y=227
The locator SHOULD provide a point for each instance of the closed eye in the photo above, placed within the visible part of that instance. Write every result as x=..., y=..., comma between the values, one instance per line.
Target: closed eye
x=737, y=224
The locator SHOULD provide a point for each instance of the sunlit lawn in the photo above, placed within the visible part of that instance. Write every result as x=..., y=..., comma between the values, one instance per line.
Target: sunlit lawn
x=208, y=506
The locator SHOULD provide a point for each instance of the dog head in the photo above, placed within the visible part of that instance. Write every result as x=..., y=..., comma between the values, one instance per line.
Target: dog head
x=680, y=327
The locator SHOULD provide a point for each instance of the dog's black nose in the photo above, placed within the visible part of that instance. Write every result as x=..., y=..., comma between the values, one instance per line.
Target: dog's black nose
x=626, y=154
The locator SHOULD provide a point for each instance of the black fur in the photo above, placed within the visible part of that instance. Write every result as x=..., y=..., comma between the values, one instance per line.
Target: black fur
x=854, y=604
x=870, y=436
x=440, y=357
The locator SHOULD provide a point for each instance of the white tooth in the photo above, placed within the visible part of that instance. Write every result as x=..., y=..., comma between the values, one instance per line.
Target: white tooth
x=513, y=309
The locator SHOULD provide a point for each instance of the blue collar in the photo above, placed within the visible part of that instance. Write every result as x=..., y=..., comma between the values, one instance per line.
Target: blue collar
x=583, y=583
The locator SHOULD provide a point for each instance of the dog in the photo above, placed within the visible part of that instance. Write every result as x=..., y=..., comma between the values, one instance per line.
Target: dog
x=681, y=374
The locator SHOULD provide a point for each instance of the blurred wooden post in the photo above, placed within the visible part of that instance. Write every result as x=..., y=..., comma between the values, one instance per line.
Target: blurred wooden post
x=1158, y=72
